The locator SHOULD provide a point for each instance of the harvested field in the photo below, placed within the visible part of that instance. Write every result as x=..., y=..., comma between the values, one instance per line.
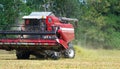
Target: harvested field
x=85, y=59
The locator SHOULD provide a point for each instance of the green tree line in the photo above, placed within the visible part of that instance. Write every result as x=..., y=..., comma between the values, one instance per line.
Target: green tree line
x=99, y=20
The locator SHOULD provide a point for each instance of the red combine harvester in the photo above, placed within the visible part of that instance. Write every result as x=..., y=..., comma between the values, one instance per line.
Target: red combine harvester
x=42, y=34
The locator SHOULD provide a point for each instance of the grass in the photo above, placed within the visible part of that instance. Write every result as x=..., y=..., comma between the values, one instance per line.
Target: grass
x=85, y=59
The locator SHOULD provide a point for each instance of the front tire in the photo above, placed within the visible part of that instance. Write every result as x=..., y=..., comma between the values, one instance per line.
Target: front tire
x=22, y=54
x=69, y=53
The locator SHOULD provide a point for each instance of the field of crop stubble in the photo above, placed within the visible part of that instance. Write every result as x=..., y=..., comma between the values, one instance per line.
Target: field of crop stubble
x=84, y=59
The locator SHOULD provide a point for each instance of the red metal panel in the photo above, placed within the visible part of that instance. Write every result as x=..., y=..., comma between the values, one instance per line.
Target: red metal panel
x=67, y=34
x=28, y=41
x=64, y=44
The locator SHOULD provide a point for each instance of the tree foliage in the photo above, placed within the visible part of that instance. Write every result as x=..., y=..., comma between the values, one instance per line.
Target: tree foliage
x=102, y=23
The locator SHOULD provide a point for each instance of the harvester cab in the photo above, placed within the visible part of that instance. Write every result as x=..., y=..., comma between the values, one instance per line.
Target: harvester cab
x=43, y=35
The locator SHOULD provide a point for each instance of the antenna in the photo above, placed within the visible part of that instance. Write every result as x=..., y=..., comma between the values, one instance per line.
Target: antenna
x=46, y=6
